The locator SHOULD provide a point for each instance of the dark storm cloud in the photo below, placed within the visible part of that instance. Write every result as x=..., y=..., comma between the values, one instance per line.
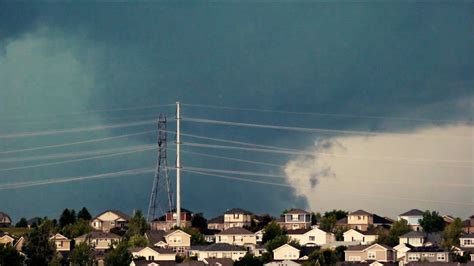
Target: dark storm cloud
x=383, y=59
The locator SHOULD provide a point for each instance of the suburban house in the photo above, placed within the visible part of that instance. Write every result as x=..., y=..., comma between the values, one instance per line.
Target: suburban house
x=5, y=220
x=210, y=235
x=99, y=240
x=429, y=254
x=177, y=240
x=6, y=239
x=363, y=220
x=237, y=218
x=363, y=237
x=216, y=223
x=61, y=242
x=282, y=263
x=466, y=243
x=110, y=219
x=413, y=218
x=468, y=225
x=169, y=220
x=414, y=238
x=401, y=250
x=142, y=262
x=237, y=236
x=312, y=236
x=295, y=219
x=153, y=254
x=221, y=250
x=218, y=262
x=286, y=252
x=377, y=252
x=259, y=236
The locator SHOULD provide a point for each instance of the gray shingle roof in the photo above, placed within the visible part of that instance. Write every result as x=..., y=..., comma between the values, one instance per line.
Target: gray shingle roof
x=223, y=247
x=155, y=236
x=235, y=231
x=360, y=212
x=415, y=234
x=237, y=211
x=157, y=249
x=412, y=212
x=296, y=211
x=216, y=220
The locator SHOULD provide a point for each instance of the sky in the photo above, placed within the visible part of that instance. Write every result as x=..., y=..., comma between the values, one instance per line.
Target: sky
x=386, y=90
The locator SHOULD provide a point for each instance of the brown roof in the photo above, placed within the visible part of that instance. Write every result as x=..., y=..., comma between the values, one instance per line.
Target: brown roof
x=236, y=231
x=237, y=211
x=216, y=220
x=296, y=211
x=219, y=262
x=360, y=212
x=155, y=236
x=412, y=212
x=157, y=249
x=119, y=213
x=298, y=231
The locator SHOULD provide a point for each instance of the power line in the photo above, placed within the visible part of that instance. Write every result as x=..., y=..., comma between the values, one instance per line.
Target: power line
x=319, y=130
x=323, y=114
x=77, y=142
x=74, y=130
x=378, y=158
x=76, y=160
x=232, y=159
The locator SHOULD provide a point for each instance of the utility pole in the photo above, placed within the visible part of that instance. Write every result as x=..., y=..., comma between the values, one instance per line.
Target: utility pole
x=178, y=168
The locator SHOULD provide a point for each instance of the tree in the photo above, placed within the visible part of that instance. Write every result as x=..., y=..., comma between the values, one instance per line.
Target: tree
x=452, y=233
x=198, y=221
x=79, y=228
x=248, y=260
x=196, y=237
x=38, y=249
x=119, y=256
x=137, y=224
x=82, y=255
x=138, y=241
x=432, y=222
x=9, y=256
x=315, y=217
x=276, y=242
x=339, y=214
x=67, y=217
x=323, y=257
x=22, y=223
x=328, y=223
x=272, y=230
x=84, y=214
x=391, y=237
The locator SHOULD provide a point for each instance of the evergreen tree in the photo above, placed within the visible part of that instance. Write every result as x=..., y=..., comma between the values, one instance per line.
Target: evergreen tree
x=272, y=230
x=67, y=217
x=198, y=221
x=22, y=223
x=9, y=256
x=84, y=214
x=38, y=249
x=137, y=224
x=119, y=256
x=452, y=233
x=82, y=255
x=432, y=222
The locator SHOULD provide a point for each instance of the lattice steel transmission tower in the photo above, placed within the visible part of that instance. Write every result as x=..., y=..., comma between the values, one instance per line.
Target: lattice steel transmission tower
x=161, y=183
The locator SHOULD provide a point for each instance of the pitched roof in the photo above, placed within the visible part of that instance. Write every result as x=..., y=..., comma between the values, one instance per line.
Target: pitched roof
x=155, y=236
x=237, y=211
x=176, y=230
x=412, y=212
x=219, y=262
x=99, y=234
x=157, y=249
x=370, y=232
x=4, y=216
x=216, y=220
x=364, y=247
x=296, y=211
x=236, y=231
x=158, y=262
x=470, y=235
x=117, y=212
x=427, y=249
x=182, y=210
x=414, y=234
x=298, y=231
x=222, y=247
x=381, y=220
x=360, y=212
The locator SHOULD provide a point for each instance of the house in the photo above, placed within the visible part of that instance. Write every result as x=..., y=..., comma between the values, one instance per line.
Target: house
x=259, y=235
x=169, y=220
x=286, y=252
x=282, y=263
x=414, y=238
x=5, y=220
x=363, y=237
x=237, y=218
x=6, y=239
x=178, y=241
x=143, y=262
x=401, y=251
x=19, y=244
x=99, y=240
x=413, y=218
x=468, y=225
x=466, y=242
x=218, y=262
x=216, y=223
x=210, y=235
x=377, y=252
x=312, y=236
x=363, y=220
x=153, y=253
x=295, y=219
x=110, y=219
x=237, y=236
x=428, y=254
x=61, y=242
x=221, y=250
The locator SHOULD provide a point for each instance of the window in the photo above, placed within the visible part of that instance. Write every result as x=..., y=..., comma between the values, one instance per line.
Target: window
x=151, y=257
x=236, y=216
x=311, y=238
x=371, y=255
x=413, y=256
x=359, y=218
x=441, y=257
